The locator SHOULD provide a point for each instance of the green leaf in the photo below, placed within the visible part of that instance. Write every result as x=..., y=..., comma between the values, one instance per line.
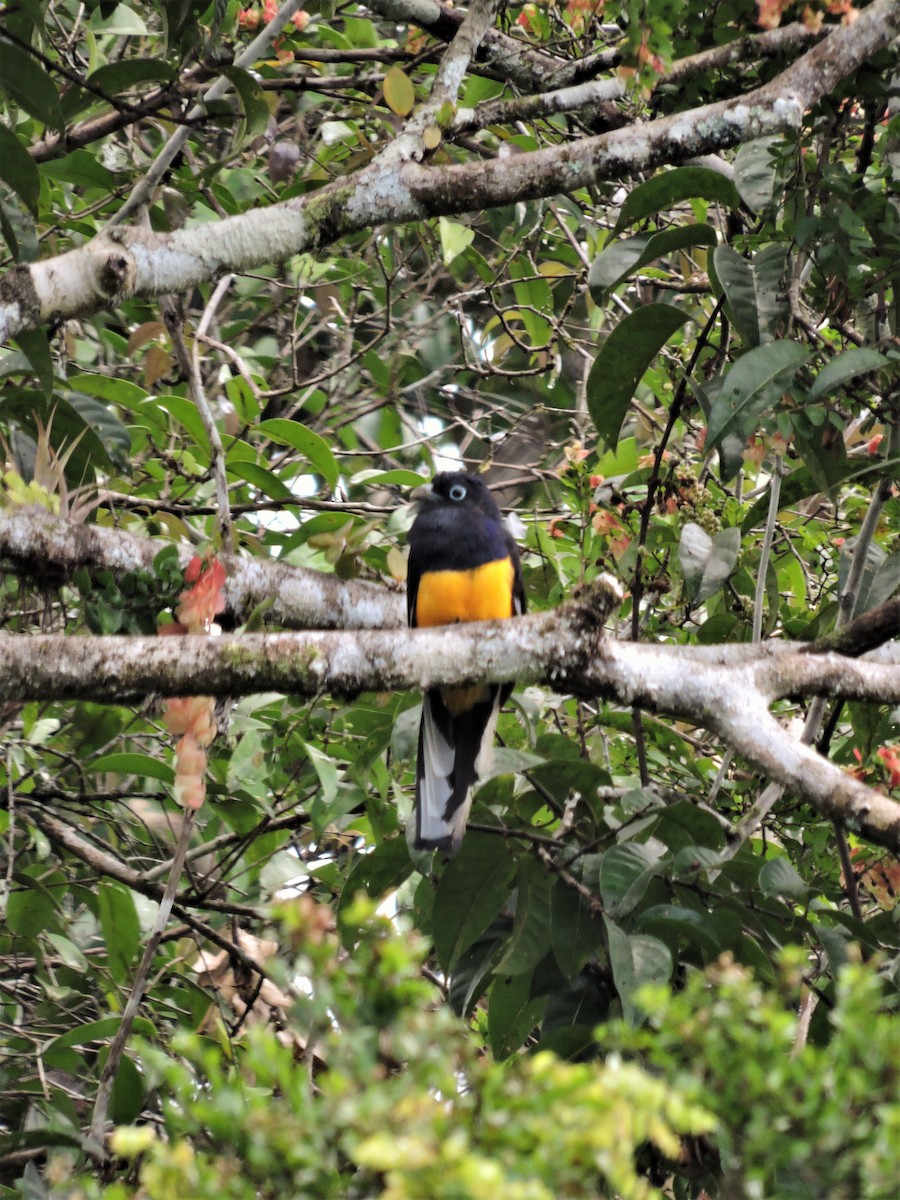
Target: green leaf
x=24, y=1140
x=885, y=582
x=575, y=934
x=121, y=929
x=252, y=100
x=707, y=561
x=667, y=188
x=779, y=877
x=859, y=360
x=97, y=1031
x=30, y=908
x=473, y=888
x=121, y=22
x=512, y=1014
x=27, y=83
x=184, y=411
x=113, y=78
x=35, y=345
x=757, y=172
x=265, y=481
x=672, y=922
x=81, y=168
x=617, y=260
x=754, y=384
x=635, y=960
x=17, y=169
x=625, y=874
x=383, y=870
x=825, y=457
x=754, y=290
x=314, y=448
x=129, y=763
x=70, y=954
x=455, y=238
x=530, y=940
x=113, y=435
x=622, y=360
x=128, y=1092
x=398, y=477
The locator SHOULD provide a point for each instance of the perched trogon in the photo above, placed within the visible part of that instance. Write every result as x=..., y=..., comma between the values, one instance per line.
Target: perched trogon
x=463, y=566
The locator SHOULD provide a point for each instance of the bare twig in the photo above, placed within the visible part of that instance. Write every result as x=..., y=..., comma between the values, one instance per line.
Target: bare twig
x=138, y=987
x=210, y=427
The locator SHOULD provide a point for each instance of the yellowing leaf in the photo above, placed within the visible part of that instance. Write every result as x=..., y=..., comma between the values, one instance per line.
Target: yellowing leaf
x=399, y=93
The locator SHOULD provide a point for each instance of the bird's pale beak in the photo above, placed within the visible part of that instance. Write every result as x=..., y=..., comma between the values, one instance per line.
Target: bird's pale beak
x=423, y=492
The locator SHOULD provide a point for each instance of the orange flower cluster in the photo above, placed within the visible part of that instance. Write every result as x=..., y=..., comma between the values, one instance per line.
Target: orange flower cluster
x=252, y=18
x=813, y=15
x=192, y=718
x=878, y=877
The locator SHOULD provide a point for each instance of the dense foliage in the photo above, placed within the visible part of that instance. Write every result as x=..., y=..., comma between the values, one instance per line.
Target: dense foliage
x=688, y=379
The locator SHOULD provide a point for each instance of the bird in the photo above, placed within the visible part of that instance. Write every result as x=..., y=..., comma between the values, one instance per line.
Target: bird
x=463, y=566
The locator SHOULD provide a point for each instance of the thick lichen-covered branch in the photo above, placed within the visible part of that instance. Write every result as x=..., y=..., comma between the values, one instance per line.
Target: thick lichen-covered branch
x=725, y=689
x=45, y=548
x=397, y=188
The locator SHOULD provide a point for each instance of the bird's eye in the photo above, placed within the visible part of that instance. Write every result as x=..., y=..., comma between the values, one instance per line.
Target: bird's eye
x=457, y=492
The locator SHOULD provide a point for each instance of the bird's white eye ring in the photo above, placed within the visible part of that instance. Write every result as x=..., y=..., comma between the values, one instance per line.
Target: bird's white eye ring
x=457, y=492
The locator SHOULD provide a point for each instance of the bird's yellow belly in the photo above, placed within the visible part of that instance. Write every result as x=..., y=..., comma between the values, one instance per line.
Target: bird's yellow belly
x=483, y=594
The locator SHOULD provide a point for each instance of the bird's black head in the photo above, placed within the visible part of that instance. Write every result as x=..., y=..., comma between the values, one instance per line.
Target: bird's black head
x=455, y=487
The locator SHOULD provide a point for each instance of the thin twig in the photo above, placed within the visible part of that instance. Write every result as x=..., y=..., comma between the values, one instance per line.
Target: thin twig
x=220, y=473
x=173, y=147
x=117, y=1046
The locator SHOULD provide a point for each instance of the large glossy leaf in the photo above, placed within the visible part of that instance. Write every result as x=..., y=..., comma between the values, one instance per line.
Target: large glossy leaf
x=473, y=888
x=707, y=561
x=617, y=260
x=116, y=77
x=675, y=924
x=625, y=874
x=575, y=932
x=121, y=929
x=668, y=188
x=622, y=360
x=635, y=959
x=81, y=168
x=314, y=448
x=858, y=360
x=26, y=82
x=757, y=172
x=530, y=939
x=754, y=384
x=17, y=169
x=755, y=291
x=383, y=870
x=779, y=877
x=252, y=100
x=512, y=1013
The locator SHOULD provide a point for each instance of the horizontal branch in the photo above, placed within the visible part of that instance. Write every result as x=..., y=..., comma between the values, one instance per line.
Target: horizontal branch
x=727, y=689
x=40, y=545
x=399, y=187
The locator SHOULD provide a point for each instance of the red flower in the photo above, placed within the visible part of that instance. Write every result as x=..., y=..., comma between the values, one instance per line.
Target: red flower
x=200, y=603
x=890, y=756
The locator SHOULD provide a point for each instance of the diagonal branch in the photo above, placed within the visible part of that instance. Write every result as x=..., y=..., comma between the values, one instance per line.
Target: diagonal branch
x=136, y=261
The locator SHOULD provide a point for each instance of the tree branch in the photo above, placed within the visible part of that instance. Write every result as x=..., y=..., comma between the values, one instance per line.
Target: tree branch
x=125, y=262
x=728, y=689
x=38, y=544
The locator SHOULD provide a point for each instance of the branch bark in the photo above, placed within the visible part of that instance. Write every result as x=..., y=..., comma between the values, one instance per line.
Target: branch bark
x=396, y=189
x=37, y=544
x=727, y=689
